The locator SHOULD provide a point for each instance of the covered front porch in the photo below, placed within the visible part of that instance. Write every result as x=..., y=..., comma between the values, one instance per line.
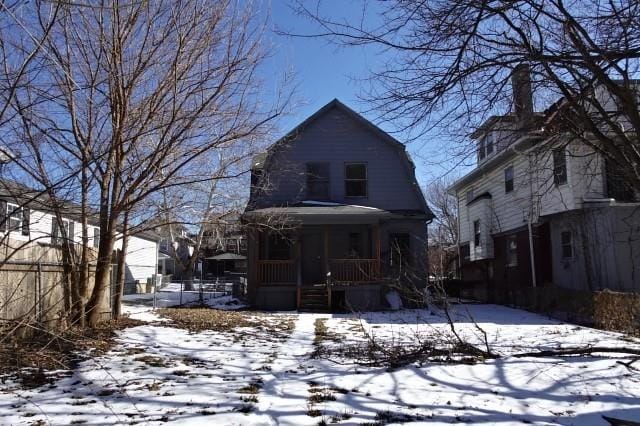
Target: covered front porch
x=319, y=267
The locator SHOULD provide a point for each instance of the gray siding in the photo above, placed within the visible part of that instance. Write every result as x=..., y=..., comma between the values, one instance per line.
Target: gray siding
x=613, y=263
x=337, y=138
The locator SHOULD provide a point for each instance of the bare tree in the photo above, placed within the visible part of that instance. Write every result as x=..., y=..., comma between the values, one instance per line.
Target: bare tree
x=449, y=63
x=130, y=95
x=443, y=231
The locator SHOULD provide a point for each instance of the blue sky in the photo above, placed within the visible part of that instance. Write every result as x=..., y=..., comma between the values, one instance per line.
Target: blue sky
x=324, y=71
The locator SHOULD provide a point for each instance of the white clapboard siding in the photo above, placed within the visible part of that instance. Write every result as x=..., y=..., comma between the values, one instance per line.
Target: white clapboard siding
x=505, y=210
x=535, y=193
x=141, y=251
x=141, y=257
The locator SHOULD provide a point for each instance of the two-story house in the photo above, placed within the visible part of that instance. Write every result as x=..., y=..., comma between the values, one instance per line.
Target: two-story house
x=335, y=217
x=541, y=198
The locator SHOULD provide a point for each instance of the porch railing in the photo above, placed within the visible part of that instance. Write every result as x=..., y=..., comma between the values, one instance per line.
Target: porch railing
x=277, y=272
x=355, y=270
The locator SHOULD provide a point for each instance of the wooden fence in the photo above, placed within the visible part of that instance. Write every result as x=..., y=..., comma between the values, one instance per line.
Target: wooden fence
x=32, y=290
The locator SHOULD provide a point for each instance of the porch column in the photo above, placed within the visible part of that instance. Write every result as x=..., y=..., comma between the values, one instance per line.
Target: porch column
x=376, y=239
x=297, y=248
x=327, y=265
x=253, y=254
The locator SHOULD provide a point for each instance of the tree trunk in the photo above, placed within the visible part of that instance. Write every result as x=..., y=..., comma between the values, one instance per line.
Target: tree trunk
x=120, y=279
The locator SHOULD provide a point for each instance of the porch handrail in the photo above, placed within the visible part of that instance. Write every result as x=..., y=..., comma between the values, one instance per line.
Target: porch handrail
x=277, y=271
x=359, y=270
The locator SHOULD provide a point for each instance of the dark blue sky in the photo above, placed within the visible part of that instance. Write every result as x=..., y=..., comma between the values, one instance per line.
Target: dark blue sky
x=324, y=71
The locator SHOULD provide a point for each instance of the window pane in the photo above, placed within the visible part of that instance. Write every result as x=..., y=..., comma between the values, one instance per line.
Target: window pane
x=559, y=167
x=469, y=196
x=356, y=188
x=354, y=245
x=400, y=249
x=278, y=247
x=356, y=171
x=508, y=179
x=489, y=143
x=15, y=217
x=476, y=233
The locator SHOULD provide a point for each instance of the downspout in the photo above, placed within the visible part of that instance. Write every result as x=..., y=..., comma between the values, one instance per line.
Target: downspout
x=458, y=238
x=532, y=256
x=533, y=260
x=427, y=249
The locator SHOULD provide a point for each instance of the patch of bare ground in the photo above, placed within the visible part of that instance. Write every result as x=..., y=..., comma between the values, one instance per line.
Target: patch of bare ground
x=30, y=359
x=202, y=319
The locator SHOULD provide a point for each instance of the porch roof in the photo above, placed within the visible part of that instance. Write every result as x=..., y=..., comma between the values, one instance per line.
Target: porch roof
x=318, y=213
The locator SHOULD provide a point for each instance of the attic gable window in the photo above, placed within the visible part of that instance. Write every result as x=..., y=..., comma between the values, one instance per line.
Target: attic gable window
x=559, y=166
x=318, y=181
x=355, y=180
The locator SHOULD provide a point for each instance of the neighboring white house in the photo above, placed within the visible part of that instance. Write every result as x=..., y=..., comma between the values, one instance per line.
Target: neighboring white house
x=541, y=200
x=24, y=222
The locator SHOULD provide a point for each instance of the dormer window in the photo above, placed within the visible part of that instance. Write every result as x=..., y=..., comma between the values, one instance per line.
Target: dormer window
x=486, y=146
x=488, y=143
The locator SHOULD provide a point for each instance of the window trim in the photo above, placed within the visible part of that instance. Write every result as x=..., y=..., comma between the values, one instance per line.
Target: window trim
x=509, y=184
x=365, y=180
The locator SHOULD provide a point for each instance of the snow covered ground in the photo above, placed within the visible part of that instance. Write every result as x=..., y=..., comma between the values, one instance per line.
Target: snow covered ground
x=249, y=376
x=173, y=294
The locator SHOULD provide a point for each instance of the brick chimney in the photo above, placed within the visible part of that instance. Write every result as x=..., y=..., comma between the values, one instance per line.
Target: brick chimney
x=522, y=93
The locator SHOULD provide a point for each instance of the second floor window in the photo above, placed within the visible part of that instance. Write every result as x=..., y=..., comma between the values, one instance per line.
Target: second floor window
x=318, y=181
x=559, y=167
x=355, y=180
x=476, y=233
x=508, y=179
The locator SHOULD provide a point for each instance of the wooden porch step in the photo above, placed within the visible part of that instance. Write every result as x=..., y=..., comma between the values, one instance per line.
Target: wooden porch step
x=314, y=298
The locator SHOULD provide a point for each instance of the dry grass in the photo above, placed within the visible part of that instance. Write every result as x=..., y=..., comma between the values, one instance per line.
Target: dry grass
x=202, y=319
x=29, y=358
